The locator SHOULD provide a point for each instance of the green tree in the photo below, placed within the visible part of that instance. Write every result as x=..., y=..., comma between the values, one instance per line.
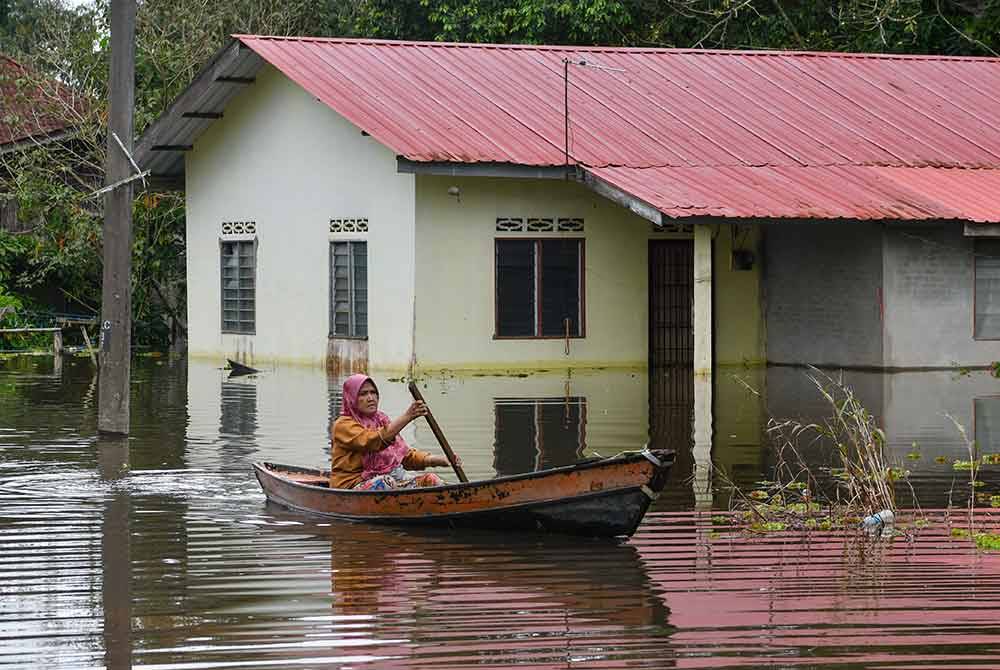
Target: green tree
x=66, y=51
x=967, y=27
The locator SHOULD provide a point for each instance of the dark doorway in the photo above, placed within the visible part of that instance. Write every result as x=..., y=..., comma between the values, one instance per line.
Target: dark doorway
x=671, y=303
x=671, y=357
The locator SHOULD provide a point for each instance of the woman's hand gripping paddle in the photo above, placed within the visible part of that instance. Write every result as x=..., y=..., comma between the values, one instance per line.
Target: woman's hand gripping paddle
x=436, y=429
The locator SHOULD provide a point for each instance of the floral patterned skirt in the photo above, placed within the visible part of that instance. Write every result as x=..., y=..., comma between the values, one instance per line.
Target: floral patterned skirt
x=400, y=479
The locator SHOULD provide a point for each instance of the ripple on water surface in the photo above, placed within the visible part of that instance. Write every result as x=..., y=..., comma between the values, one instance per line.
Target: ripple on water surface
x=161, y=551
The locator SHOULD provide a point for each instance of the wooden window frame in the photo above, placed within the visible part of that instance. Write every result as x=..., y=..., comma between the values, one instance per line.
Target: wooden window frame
x=975, y=295
x=222, y=287
x=351, y=316
x=582, y=263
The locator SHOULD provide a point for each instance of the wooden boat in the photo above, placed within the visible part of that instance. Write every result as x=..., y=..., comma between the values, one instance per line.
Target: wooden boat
x=598, y=497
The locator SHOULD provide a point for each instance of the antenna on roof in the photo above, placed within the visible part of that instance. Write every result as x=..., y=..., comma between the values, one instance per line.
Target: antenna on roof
x=582, y=63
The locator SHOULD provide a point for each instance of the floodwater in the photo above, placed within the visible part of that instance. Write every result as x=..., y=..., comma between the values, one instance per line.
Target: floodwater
x=160, y=552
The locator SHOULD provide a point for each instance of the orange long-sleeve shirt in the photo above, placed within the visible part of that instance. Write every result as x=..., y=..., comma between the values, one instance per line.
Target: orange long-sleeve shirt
x=350, y=442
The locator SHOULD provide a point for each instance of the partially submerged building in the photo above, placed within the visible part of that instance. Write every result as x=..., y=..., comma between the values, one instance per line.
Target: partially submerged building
x=451, y=206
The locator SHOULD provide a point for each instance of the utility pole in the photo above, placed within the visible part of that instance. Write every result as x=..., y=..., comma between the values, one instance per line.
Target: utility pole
x=116, y=294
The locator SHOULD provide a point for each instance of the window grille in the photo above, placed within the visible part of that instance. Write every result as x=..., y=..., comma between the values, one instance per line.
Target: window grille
x=537, y=224
x=349, y=289
x=239, y=262
x=348, y=225
x=539, y=288
x=570, y=225
x=987, y=290
x=510, y=225
x=541, y=225
x=680, y=228
x=232, y=228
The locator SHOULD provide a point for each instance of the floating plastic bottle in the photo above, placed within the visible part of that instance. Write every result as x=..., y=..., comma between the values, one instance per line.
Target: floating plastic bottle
x=878, y=520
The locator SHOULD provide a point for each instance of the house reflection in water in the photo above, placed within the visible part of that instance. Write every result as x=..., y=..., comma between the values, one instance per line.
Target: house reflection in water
x=538, y=433
x=527, y=599
x=238, y=414
x=547, y=431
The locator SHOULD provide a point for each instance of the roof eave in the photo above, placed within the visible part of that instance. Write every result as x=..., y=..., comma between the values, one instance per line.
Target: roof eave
x=36, y=140
x=161, y=147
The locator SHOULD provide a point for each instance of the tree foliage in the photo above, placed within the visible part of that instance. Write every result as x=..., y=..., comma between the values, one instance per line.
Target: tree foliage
x=967, y=27
x=68, y=46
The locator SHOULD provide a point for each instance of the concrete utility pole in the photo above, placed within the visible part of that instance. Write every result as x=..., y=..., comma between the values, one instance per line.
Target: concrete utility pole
x=116, y=295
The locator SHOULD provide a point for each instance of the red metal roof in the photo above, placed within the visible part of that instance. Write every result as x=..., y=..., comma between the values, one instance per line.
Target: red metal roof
x=33, y=107
x=826, y=192
x=721, y=133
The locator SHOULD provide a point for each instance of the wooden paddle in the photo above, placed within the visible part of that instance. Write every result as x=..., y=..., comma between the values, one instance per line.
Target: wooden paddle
x=436, y=429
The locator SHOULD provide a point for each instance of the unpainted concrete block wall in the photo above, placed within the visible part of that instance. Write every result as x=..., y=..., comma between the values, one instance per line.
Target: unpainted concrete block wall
x=929, y=298
x=822, y=292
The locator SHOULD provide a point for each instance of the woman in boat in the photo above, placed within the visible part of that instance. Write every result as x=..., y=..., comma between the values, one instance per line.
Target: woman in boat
x=368, y=452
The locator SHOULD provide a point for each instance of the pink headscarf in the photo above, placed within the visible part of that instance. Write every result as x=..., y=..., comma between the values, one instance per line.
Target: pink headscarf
x=378, y=462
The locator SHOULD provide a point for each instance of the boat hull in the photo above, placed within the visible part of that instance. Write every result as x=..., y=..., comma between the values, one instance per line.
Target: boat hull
x=600, y=498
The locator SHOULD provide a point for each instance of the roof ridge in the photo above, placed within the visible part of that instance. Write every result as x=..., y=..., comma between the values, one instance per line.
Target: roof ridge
x=618, y=49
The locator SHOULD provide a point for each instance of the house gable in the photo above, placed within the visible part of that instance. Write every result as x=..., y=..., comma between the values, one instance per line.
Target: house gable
x=290, y=165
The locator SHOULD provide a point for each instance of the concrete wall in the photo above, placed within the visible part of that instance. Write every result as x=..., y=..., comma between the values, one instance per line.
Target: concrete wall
x=737, y=298
x=455, y=275
x=822, y=284
x=929, y=293
x=288, y=162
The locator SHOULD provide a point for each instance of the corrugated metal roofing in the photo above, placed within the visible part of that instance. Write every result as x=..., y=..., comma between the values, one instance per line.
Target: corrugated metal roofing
x=720, y=133
x=471, y=103
x=33, y=107
x=834, y=192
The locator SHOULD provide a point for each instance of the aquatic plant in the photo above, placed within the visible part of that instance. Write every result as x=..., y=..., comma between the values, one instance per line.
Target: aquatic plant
x=859, y=484
x=972, y=465
x=988, y=541
x=864, y=474
x=984, y=541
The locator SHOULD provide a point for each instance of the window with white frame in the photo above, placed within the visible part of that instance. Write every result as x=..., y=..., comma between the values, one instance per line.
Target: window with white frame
x=348, y=288
x=539, y=288
x=239, y=264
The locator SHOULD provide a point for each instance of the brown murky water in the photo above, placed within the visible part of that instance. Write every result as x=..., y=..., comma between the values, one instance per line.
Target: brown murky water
x=160, y=551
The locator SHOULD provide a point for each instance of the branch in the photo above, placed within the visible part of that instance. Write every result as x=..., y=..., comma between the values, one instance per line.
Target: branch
x=170, y=308
x=937, y=5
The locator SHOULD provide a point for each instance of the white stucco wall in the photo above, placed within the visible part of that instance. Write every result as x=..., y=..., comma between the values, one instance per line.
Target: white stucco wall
x=455, y=275
x=287, y=161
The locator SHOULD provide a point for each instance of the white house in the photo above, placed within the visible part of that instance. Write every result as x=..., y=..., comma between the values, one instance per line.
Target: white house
x=439, y=206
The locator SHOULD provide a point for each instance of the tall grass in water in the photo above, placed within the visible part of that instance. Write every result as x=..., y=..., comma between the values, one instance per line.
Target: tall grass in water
x=972, y=447
x=863, y=473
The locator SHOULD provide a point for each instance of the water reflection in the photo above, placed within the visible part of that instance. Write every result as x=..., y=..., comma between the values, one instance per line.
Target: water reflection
x=162, y=552
x=238, y=415
x=116, y=560
x=516, y=599
x=538, y=433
